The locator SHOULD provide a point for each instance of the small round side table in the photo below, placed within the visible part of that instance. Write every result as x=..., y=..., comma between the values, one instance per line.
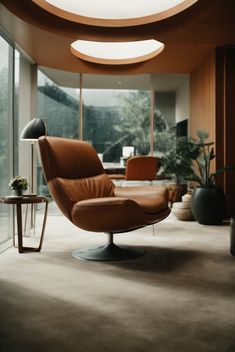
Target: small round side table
x=18, y=202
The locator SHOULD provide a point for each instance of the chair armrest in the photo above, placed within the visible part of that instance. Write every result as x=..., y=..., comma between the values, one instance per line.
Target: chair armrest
x=108, y=214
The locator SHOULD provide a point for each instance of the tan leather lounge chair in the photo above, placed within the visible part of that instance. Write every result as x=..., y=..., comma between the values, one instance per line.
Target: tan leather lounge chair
x=90, y=200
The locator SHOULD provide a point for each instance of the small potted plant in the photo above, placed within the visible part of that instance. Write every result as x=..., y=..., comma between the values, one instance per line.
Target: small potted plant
x=208, y=200
x=18, y=184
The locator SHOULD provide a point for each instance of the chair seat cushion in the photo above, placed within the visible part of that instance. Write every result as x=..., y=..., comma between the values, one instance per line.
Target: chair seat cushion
x=152, y=199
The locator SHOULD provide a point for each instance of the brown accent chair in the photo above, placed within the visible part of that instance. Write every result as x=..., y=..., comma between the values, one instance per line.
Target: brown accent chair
x=90, y=200
x=142, y=168
x=139, y=168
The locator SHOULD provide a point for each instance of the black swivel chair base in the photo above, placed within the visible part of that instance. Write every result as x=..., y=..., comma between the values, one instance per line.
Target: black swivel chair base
x=109, y=252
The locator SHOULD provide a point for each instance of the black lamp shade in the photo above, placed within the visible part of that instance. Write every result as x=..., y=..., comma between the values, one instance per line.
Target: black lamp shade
x=34, y=129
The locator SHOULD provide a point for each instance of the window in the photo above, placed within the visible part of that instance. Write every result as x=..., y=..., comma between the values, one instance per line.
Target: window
x=171, y=95
x=6, y=135
x=120, y=115
x=16, y=112
x=117, y=114
x=59, y=106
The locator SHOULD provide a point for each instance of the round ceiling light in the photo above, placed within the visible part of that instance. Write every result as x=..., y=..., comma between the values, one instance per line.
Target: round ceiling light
x=116, y=53
x=110, y=13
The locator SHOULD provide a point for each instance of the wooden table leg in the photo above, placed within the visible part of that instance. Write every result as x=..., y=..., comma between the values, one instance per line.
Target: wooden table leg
x=35, y=249
x=19, y=227
x=43, y=226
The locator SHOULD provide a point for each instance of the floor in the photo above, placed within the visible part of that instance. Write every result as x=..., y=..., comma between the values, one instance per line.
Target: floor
x=179, y=296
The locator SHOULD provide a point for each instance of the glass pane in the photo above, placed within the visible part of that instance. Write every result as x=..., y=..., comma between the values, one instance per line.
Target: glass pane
x=117, y=115
x=5, y=140
x=171, y=114
x=171, y=109
x=16, y=113
x=59, y=107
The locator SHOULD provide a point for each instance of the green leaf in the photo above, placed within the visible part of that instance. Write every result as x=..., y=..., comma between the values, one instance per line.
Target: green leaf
x=202, y=135
x=224, y=169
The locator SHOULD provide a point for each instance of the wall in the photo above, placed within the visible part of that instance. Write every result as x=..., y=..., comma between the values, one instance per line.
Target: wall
x=202, y=100
x=212, y=108
x=202, y=97
x=225, y=120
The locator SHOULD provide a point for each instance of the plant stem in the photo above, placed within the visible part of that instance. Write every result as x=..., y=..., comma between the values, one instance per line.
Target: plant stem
x=206, y=164
x=200, y=171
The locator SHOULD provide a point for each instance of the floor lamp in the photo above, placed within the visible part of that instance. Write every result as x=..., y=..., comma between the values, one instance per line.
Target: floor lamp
x=31, y=132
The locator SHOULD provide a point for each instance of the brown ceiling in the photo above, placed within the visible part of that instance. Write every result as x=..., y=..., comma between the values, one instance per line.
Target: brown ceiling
x=188, y=36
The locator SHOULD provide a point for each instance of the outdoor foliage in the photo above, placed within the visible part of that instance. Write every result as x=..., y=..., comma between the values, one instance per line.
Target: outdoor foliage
x=177, y=160
x=134, y=124
x=108, y=128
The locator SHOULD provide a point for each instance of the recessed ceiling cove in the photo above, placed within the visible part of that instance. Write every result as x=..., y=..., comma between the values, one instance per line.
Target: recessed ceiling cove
x=116, y=53
x=113, y=13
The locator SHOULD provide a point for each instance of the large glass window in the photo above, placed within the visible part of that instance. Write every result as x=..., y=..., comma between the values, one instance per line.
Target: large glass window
x=117, y=115
x=139, y=112
x=59, y=106
x=171, y=110
x=16, y=113
x=6, y=155
x=120, y=115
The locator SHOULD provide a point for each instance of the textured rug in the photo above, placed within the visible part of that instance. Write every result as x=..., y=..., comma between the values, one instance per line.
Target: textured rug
x=178, y=296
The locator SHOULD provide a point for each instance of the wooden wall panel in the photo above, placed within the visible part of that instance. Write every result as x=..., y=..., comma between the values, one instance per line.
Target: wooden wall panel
x=202, y=97
x=212, y=108
x=226, y=113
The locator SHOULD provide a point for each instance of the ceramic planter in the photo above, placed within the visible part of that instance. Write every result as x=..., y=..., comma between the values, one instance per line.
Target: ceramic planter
x=208, y=205
x=19, y=192
x=182, y=210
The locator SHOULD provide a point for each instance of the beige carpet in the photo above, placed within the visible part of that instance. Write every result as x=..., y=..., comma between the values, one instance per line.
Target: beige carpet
x=179, y=296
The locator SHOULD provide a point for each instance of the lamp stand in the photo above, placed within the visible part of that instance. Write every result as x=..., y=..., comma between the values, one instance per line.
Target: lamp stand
x=32, y=212
x=31, y=132
x=32, y=222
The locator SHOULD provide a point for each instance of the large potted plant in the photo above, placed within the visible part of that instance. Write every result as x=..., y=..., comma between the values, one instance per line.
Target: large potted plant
x=176, y=163
x=208, y=200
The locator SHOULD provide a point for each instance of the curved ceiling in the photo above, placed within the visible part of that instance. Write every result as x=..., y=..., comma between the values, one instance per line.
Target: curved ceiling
x=37, y=16
x=188, y=36
x=110, y=13
x=116, y=53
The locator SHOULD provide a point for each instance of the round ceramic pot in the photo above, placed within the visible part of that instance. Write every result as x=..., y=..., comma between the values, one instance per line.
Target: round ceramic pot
x=182, y=211
x=208, y=205
x=19, y=192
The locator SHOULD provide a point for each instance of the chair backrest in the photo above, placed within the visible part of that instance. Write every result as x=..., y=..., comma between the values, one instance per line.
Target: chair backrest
x=73, y=172
x=141, y=168
x=68, y=158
